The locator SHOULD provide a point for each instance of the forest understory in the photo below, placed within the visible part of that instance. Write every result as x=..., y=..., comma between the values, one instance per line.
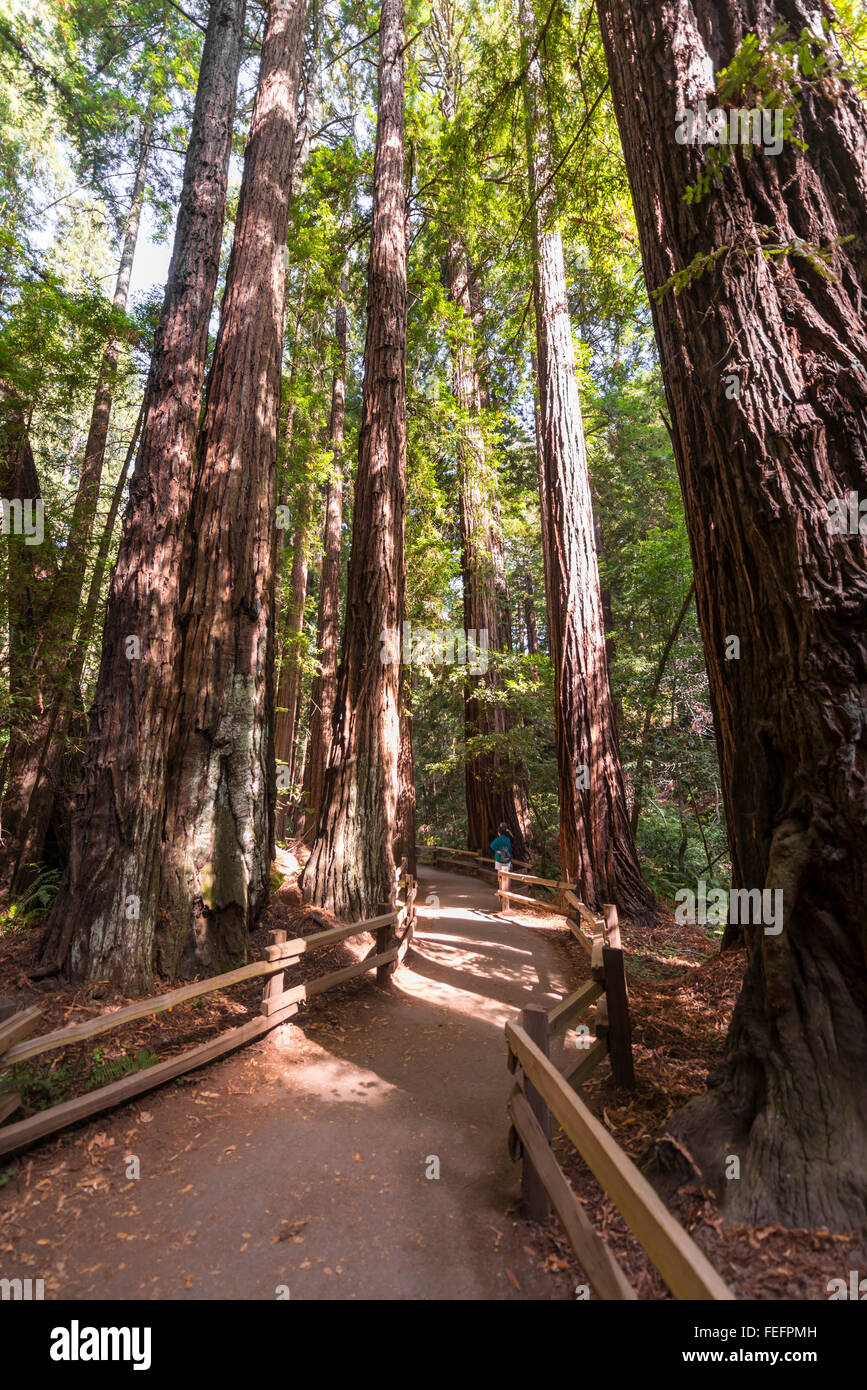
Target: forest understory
x=441, y=426
x=682, y=992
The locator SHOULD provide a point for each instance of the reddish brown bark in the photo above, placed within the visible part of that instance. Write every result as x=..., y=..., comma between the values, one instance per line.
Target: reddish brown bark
x=351, y=867
x=117, y=831
x=289, y=683
x=219, y=827
x=596, y=844
x=493, y=796
x=324, y=689
x=758, y=470
x=44, y=768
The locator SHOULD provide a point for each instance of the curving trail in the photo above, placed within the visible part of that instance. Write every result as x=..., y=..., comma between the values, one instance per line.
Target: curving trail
x=302, y=1161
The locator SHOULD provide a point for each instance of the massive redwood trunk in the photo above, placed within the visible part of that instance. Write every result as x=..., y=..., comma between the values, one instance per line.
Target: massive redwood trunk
x=219, y=827
x=765, y=366
x=105, y=913
x=351, y=868
x=493, y=794
x=596, y=844
x=324, y=688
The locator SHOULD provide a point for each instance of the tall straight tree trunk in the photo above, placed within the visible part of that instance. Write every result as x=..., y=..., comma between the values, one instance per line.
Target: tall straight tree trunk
x=87, y=495
x=760, y=467
x=596, y=844
x=289, y=684
x=324, y=689
x=351, y=867
x=530, y=614
x=52, y=764
x=30, y=569
x=289, y=691
x=492, y=794
x=405, y=810
x=105, y=913
x=37, y=746
x=649, y=707
x=219, y=826
x=405, y=814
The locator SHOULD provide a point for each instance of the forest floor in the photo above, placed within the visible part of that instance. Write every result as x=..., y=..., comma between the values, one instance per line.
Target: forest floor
x=303, y=1161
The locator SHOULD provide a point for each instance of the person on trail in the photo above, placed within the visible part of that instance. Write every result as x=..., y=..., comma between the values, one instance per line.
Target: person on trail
x=502, y=846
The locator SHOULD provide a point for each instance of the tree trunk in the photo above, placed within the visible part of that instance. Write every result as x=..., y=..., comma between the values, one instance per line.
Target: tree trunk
x=530, y=614
x=650, y=702
x=37, y=745
x=71, y=582
x=405, y=813
x=106, y=909
x=288, y=688
x=491, y=785
x=30, y=569
x=759, y=468
x=328, y=622
x=49, y=764
x=596, y=844
x=351, y=867
x=219, y=828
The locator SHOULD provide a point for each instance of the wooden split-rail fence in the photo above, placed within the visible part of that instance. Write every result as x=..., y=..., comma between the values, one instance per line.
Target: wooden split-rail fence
x=544, y=1093
x=392, y=929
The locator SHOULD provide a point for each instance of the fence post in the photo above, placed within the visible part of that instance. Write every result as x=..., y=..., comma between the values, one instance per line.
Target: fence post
x=274, y=985
x=411, y=895
x=385, y=938
x=612, y=925
x=534, y=1021
x=502, y=887
x=619, y=1026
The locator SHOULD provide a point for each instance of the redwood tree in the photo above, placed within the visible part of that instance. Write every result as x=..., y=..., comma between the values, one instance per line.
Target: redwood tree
x=493, y=794
x=37, y=747
x=219, y=823
x=292, y=624
x=765, y=366
x=105, y=913
x=351, y=867
x=596, y=845
x=328, y=618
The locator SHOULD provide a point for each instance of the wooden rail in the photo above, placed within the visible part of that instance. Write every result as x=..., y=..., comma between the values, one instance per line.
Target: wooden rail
x=685, y=1269
x=436, y=852
x=278, y=1005
x=548, y=1092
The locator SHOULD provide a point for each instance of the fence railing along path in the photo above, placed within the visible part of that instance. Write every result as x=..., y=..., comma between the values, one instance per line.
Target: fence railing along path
x=543, y=1093
x=279, y=1004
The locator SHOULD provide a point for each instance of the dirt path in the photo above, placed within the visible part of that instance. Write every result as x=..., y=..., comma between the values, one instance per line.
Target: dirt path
x=303, y=1162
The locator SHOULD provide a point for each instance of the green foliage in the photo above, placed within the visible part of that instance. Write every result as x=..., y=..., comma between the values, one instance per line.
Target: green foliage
x=33, y=904
x=39, y=1088
x=106, y=1069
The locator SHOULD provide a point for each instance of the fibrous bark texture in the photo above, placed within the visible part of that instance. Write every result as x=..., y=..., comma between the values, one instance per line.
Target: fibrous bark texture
x=765, y=366
x=324, y=688
x=219, y=823
x=596, y=845
x=493, y=793
x=105, y=914
x=351, y=867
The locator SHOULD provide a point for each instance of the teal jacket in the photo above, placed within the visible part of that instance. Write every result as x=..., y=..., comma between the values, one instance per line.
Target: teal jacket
x=502, y=848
